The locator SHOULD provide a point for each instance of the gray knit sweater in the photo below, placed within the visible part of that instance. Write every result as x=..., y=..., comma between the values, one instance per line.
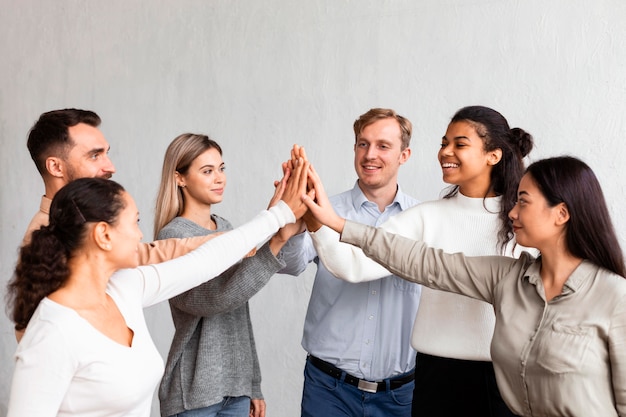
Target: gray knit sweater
x=213, y=354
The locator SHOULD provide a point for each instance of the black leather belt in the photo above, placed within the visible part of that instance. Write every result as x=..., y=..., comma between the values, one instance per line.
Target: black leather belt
x=361, y=384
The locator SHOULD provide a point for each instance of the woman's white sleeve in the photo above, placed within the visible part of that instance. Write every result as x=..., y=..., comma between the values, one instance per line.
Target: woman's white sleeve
x=345, y=261
x=165, y=280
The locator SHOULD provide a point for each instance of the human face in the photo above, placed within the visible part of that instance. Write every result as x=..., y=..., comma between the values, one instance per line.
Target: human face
x=205, y=180
x=464, y=161
x=126, y=235
x=535, y=223
x=89, y=157
x=378, y=154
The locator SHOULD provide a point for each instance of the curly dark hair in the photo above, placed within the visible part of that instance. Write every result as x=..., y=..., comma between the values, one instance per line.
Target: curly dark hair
x=515, y=144
x=42, y=267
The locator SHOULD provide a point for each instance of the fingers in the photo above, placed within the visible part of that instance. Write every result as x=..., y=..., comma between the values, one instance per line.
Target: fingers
x=279, y=186
x=257, y=408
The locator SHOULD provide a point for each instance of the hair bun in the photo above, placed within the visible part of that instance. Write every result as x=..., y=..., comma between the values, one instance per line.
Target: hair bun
x=523, y=140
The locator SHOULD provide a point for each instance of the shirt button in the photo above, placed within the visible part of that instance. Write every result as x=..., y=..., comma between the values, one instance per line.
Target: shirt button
x=374, y=292
x=371, y=317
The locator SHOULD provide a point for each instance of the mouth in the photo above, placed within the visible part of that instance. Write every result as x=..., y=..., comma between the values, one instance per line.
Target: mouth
x=219, y=191
x=370, y=167
x=449, y=165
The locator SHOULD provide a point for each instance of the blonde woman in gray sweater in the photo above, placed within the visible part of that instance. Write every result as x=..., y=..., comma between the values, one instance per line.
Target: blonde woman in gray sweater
x=212, y=367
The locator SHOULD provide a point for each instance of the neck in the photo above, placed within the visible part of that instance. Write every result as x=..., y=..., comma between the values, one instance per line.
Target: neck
x=52, y=186
x=86, y=285
x=199, y=214
x=381, y=196
x=557, y=265
x=477, y=190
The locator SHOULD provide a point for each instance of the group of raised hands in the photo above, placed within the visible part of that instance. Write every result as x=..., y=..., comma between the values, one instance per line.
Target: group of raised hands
x=302, y=190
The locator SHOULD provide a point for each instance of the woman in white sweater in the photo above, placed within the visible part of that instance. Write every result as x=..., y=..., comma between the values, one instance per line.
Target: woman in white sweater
x=86, y=350
x=481, y=157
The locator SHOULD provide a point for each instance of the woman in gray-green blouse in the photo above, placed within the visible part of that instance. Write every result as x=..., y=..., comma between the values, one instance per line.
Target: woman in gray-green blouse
x=559, y=346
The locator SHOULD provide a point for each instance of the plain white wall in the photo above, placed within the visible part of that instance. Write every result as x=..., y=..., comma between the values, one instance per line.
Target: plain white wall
x=259, y=76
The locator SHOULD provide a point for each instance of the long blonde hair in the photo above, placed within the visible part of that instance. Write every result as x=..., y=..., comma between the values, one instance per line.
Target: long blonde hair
x=178, y=157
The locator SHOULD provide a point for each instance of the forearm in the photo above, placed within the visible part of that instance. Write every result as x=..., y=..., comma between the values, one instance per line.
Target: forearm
x=414, y=261
x=212, y=258
x=344, y=261
x=231, y=289
x=167, y=249
x=297, y=253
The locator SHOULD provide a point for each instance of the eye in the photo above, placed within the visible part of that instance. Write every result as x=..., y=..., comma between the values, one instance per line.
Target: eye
x=361, y=144
x=222, y=169
x=207, y=171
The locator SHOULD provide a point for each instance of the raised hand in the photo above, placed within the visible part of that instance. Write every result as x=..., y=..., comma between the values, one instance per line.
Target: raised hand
x=319, y=205
x=279, y=186
x=296, y=188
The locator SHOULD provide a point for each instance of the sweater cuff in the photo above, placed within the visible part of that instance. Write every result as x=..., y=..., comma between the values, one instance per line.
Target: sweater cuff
x=283, y=213
x=353, y=233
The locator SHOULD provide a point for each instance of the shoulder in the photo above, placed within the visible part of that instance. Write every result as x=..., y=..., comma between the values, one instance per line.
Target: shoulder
x=51, y=328
x=222, y=223
x=180, y=227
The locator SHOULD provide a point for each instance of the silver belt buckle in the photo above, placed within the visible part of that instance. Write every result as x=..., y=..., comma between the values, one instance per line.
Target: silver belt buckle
x=367, y=386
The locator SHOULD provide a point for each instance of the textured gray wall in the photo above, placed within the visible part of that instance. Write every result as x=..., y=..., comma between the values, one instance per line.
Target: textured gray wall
x=259, y=76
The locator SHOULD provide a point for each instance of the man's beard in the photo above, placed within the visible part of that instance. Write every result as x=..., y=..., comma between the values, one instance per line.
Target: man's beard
x=71, y=175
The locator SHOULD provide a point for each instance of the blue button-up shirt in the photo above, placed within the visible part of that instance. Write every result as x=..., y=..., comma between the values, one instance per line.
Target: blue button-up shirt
x=364, y=328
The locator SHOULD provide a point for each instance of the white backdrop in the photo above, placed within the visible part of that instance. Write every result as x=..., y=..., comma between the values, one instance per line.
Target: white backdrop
x=258, y=76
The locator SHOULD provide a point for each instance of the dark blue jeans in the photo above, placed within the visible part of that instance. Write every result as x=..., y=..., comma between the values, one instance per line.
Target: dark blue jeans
x=325, y=396
x=229, y=407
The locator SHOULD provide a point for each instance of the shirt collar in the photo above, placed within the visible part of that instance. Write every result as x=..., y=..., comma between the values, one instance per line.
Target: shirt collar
x=44, y=206
x=358, y=198
x=582, y=274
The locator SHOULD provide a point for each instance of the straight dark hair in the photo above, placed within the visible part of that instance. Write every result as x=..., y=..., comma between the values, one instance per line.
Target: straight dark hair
x=590, y=232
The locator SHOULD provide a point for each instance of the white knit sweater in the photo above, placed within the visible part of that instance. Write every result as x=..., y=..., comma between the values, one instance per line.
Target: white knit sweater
x=447, y=325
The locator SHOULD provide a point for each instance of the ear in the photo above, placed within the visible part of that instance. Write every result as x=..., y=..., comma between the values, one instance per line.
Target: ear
x=180, y=180
x=493, y=157
x=55, y=166
x=562, y=214
x=102, y=236
x=405, y=155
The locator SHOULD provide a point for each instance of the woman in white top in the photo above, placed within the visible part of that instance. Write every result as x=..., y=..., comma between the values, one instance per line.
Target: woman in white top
x=482, y=158
x=559, y=344
x=86, y=350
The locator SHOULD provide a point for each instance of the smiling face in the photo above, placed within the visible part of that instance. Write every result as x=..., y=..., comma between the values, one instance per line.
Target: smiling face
x=205, y=180
x=464, y=161
x=378, y=155
x=535, y=223
x=88, y=158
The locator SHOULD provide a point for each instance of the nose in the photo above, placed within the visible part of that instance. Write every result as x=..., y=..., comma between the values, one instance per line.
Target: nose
x=108, y=166
x=513, y=212
x=370, y=152
x=445, y=149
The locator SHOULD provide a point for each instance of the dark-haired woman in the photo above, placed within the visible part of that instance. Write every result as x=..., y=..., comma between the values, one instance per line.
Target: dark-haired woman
x=481, y=157
x=559, y=346
x=86, y=350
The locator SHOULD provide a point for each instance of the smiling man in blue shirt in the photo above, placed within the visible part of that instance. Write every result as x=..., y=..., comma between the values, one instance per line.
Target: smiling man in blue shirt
x=360, y=360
